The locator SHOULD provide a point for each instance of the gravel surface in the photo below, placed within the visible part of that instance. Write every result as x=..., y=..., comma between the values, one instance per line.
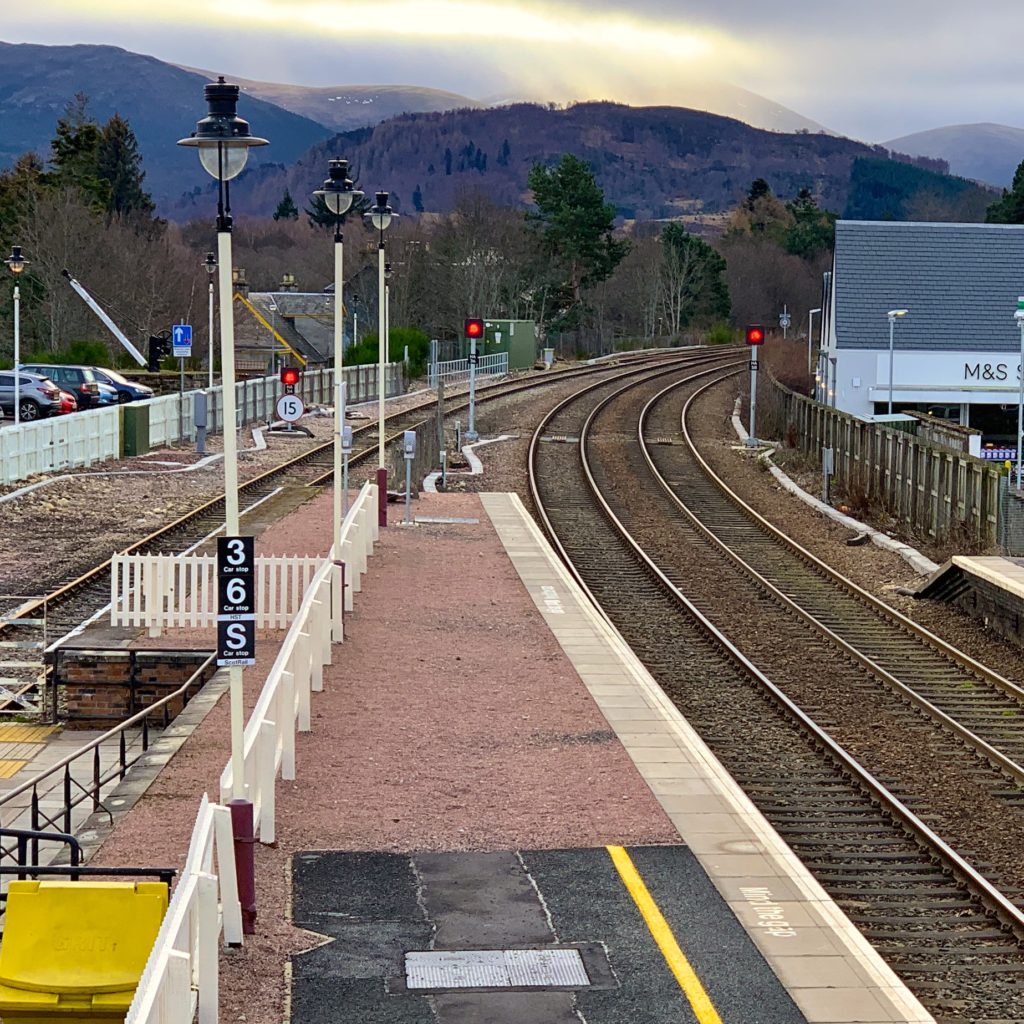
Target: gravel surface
x=526, y=761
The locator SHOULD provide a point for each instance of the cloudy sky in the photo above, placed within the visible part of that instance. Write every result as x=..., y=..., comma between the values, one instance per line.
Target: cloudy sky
x=874, y=69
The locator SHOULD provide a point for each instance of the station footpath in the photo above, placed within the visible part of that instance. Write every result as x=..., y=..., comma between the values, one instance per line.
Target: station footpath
x=498, y=816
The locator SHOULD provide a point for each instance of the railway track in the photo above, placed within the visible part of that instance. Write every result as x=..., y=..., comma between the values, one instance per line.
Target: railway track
x=83, y=598
x=943, y=926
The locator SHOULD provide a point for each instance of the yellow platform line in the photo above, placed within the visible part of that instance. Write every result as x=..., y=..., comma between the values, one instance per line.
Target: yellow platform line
x=685, y=975
x=8, y=769
x=25, y=733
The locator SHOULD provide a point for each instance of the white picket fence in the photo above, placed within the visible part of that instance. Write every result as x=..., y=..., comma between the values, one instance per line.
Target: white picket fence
x=181, y=977
x=66, y=442
x=166, y=591
x=284, y=702
x=451, y=371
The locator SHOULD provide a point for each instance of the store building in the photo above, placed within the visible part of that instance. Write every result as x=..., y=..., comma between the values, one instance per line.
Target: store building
x=956, y=352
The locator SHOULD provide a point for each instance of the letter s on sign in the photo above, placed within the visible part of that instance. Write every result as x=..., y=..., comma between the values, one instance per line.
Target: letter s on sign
x=236, y=636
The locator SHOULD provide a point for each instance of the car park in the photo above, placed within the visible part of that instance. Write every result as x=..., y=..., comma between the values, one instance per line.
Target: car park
x=81, y=381
x=38, y=396
x=127, y=390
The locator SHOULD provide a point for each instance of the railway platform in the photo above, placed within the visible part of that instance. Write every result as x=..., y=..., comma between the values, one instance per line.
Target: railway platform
x=989, y=588
x=498, y=816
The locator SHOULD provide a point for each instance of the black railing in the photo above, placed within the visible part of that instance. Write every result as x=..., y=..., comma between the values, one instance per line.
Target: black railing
x=18, y=841
x=74, y=791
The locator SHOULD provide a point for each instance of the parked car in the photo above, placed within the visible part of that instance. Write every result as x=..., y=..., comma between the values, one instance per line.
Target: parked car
x=127, y=390
x=80, y=381
x=38, y=396
x=67, y=402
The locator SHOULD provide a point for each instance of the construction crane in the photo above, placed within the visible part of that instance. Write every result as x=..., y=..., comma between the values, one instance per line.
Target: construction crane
x=111, y=326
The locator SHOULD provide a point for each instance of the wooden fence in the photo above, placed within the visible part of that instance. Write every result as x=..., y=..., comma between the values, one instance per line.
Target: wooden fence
x=932, y=491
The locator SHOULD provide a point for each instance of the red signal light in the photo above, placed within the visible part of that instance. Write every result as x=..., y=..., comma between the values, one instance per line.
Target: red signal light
x=474, y=328
x=755, y=335
x=289, y=375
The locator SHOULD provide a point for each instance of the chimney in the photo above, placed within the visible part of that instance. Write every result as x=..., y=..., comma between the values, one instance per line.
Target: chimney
x=238, y=281
x=288, y=283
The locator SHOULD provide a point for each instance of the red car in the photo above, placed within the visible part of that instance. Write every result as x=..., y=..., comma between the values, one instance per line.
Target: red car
x=68, y=403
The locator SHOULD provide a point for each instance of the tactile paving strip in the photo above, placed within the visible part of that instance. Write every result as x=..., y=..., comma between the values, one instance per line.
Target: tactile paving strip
x=496, y=968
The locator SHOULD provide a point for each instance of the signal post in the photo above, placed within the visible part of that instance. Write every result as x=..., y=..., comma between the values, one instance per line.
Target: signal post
x=755, y=339
x=474, y=331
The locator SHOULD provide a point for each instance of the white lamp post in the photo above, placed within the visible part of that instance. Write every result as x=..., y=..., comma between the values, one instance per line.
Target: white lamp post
x=16, y=263
x=338, y=195
x=380, y=216
x=1019, y=317
x=223, y=140
x=893, y=315
x=210, y=263
x=810, y=336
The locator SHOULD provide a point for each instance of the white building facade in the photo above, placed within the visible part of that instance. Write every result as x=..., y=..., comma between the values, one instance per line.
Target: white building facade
x=956, y=353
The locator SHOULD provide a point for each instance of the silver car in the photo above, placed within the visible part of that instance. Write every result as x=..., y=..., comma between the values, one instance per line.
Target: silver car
x=38, y=396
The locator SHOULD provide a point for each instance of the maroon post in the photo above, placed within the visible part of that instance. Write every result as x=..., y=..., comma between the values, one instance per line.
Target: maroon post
x=245, y=861
x=382, y=496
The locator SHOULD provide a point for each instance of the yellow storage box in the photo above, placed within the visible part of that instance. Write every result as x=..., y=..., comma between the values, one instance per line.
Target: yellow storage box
x=76, y=950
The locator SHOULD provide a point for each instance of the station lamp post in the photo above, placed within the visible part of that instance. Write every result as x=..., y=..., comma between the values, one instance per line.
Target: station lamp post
x=16, y=263
x=893, y=315
x=210, y=264
x=223, y=141
x=338, y=195
x=380, y=216
x=810, y=337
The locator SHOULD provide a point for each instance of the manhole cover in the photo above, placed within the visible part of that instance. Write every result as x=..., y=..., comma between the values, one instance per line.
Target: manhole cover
x=496, y=968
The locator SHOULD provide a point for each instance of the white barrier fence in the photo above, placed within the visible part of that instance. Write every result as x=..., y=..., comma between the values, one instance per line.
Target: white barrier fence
x=67, y=442
x=452, y=371
x=181, y=977
x=164, y=591
x=283, y=706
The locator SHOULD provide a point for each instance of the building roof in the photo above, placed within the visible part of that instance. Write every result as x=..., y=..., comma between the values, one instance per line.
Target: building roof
x=304, y=319
x=960, y=283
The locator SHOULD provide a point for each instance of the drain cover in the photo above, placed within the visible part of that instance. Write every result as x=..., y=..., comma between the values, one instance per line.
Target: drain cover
x=496, y=968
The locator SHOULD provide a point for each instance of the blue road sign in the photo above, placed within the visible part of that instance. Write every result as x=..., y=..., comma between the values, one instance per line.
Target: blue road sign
x=181, y=340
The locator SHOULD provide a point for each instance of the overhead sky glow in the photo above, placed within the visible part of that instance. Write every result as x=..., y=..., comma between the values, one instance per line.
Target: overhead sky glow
x=874, y=69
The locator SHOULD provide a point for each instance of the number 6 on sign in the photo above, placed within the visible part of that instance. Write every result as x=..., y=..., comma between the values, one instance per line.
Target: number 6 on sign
x=290, y=408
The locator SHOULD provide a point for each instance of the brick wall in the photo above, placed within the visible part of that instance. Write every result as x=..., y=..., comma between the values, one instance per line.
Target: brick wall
x=97, y=689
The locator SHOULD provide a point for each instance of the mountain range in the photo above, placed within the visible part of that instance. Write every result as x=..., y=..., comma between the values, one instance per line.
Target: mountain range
x=984, y=152
x=426, y=145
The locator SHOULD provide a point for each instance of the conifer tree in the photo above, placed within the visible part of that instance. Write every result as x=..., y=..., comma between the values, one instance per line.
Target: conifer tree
x=118, y=162
x=286, y=209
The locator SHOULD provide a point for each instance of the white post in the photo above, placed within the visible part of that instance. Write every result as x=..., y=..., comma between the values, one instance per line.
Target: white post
x=892, y=329
x=381, y=341
x=339, y=400
x=355, y=328
x=17, y=355
x=227, y=365
x=209, y=357
x=1020, y=388
x=387, y=321
x=810, y=338
x=471, y=434
x=752, y=440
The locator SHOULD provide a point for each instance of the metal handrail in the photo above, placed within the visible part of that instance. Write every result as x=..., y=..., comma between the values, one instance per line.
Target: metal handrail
x=100, y=778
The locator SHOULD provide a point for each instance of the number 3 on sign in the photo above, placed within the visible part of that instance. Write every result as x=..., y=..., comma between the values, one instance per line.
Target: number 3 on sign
x=290, y=408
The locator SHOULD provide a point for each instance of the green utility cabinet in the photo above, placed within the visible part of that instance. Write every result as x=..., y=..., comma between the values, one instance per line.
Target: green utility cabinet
x=516, y=337
x=134, y=429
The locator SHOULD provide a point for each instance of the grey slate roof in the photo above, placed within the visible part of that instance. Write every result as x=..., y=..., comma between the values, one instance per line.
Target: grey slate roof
x=960, y=283
x=304, y=319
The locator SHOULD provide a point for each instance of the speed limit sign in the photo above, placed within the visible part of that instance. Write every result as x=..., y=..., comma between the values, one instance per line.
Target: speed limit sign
x=290, y=408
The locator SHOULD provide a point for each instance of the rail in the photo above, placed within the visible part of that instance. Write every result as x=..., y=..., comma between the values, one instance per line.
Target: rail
x=453, y=370
x=181, y=976
x=74, y=790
